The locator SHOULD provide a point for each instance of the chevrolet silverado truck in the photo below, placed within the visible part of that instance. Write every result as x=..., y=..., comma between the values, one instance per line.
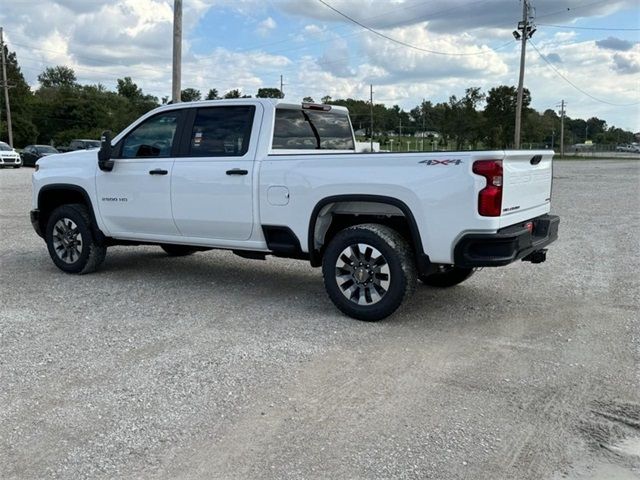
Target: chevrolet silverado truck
x=263, y=177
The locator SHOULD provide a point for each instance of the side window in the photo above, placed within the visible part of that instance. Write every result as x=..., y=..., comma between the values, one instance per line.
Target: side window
x=221, y=131
x=152, y=138
x=311, y=130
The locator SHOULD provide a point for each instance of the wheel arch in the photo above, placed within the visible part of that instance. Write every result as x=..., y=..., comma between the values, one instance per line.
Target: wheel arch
x=315, y=253
x=54, y=195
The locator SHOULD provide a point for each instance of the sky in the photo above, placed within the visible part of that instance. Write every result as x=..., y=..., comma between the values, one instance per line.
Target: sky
x=585, y=52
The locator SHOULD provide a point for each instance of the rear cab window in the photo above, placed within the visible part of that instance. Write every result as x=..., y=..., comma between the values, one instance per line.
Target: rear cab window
x=311, y=129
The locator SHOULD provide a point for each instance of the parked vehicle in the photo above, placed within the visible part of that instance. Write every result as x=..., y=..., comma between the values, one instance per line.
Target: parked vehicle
x=32, y=153
x=9, y=157
x=629, y=148
x=263, y=177
x=80, y=144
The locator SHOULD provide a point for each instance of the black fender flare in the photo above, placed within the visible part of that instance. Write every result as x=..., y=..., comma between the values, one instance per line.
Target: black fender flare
x=77, y=189
x=315, y=257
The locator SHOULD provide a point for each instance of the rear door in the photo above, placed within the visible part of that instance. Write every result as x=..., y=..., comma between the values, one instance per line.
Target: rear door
x=212, y=180
x=527, y=177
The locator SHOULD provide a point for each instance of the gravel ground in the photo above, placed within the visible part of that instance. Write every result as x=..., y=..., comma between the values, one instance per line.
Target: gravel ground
x=212, y=366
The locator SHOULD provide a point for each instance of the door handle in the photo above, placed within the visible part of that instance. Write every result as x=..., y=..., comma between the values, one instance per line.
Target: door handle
x=158, y=171
x=237, y=171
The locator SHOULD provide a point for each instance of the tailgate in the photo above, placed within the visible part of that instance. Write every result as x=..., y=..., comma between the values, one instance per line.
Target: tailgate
x=527, y=177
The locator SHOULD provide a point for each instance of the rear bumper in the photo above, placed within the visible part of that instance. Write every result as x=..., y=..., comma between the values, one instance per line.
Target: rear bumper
x=507, y=245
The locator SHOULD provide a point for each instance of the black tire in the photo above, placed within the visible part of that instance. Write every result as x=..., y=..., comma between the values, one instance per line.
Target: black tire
x=447, y=277
x=16, y=166
x=380, y=293
x=69, y=230
x=178, y=250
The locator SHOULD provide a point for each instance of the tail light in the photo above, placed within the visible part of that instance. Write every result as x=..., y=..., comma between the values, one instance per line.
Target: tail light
x=490, y=197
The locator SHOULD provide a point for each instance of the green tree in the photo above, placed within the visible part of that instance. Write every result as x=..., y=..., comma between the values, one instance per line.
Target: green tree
x=308, y=100
x=500, y=114
x=213, y=94
x=23, y=129
x=269, y=93
x=128, y=89
x=235, y=93
x=59, y=76
x=190, y=95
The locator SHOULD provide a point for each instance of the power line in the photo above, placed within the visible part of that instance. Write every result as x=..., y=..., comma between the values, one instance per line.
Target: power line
x=550, y=65
x=569, y=27
x=405, y=44
x=423, y=17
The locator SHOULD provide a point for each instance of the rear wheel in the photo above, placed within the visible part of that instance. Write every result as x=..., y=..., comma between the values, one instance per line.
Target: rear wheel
x=177, y=250
x=447, y=276
x=368, y=270
x=71, y=242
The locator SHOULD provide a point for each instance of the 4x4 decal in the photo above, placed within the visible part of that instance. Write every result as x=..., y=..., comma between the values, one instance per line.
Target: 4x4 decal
x=456, y=161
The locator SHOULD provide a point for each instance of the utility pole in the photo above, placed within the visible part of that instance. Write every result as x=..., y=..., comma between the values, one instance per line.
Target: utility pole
x=562, y=112
x=524, y=32
x=281, y=86
x=177, y=52
x=371, y=106
x=5, y=85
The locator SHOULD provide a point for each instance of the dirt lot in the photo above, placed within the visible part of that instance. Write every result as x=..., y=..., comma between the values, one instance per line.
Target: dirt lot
x=212, y=366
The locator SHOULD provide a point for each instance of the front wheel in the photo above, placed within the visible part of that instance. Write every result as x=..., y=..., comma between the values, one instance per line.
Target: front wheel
x=71, y=242
x=369, y=270
x=447, y=276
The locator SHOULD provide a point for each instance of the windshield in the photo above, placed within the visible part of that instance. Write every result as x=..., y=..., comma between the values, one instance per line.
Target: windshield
x=46, y=149
x=91, y=144
x=4, y=147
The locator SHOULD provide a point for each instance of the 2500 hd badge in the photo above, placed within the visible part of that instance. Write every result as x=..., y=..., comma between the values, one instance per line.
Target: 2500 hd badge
x=115, y=199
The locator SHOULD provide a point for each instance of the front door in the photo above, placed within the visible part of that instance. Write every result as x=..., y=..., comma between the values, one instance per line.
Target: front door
x=135, y=197
x=212, y=180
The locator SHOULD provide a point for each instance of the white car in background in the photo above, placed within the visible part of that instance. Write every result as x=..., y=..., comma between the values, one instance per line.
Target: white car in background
x=9, y=157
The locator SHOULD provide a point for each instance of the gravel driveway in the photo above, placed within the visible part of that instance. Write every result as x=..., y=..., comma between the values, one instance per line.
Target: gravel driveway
x=212, y=366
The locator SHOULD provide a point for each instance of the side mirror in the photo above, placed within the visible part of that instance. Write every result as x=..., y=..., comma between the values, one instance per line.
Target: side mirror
x=104, y=154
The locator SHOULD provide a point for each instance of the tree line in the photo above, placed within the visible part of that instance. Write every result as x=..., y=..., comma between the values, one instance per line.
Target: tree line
x=61, y=109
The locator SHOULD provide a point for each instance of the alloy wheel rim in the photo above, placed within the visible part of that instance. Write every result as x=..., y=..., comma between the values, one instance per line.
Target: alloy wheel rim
x=67, y=240
x=362, y=274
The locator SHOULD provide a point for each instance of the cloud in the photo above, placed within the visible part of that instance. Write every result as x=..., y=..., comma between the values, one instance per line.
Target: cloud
x=553, y=58
x=613, y=43
x=448, y=15
x=321, y=53
x=313, y=29
x=626, y=64
x=266, y=27
x=337, y=59
x=403, y=64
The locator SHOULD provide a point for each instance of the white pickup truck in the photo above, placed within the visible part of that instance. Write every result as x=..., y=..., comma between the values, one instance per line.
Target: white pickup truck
x=264, y=177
